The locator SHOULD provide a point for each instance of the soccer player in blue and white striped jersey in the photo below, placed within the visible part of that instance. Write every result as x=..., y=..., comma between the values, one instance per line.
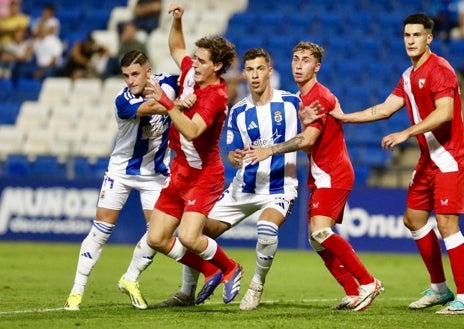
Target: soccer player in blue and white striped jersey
x=140, y=160
x=265, y=117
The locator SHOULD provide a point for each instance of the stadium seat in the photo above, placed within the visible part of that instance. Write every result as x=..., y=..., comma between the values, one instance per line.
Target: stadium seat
x=11, y=140
x=9, y=113
x=119, y=15
x=456, y=59
x=66, y=143
x=37, y=142
x=6, y=90
x=111, y=87
x=55, y=90
x=32, y=115
x=107, y=38
x=86, y=92
x=63, y=117
x=16, y=165
x=47, y=166
x=97, y=144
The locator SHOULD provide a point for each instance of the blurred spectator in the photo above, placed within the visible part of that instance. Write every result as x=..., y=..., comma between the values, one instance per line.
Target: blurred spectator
x=458, y=32
x=15, y=20
x=127, y=41
x=79, y=62
x=4, y=8
x=48, y=19
x=235, y=80
x=146, y=14
x=48, y=51
x=15, y=52
x=445, y=16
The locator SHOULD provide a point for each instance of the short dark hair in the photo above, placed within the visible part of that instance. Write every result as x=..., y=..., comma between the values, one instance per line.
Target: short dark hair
x=221, y=51
x=420, y=18
x=134, y=57
x=253, y=53
x=316, y=50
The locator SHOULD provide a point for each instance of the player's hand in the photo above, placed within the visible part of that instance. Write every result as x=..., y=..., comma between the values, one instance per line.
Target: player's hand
x=337, y=112
x=176, y=9
x=153, y=89
x=390, y=141
x=236, y=158
x=256, y=154
x=311, y=113
x=188, y=101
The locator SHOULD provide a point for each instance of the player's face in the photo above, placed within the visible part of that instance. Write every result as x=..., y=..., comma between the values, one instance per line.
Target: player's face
x=416, y=40
x=204, y=68
x=257, y=73
x=304, y=66
x=135, y=76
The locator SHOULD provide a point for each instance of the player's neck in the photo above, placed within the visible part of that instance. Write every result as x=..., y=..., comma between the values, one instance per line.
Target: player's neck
x=418, y=61
x=306, y=86
x=263, y=98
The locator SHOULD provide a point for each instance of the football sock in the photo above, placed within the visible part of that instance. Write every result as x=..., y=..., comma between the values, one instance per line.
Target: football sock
x=189, y=280
x=345, y=253
x=218, y=258
x=455, y=247
x=339, y=272
x=142, y=257
x=89, y=253
x=186, y=257
x=430, y=251
x=266, y=248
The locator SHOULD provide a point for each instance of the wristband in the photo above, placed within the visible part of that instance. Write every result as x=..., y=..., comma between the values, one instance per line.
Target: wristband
x=166, y=102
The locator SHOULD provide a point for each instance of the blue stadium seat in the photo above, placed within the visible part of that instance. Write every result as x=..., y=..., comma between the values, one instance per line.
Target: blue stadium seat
x=6, y=89
x=455, y=54
x=17, y=165
x=82, y=168
x=47, y=166
x=9, y=113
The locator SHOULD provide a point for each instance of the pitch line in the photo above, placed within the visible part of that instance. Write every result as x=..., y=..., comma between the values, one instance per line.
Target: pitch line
x=308, y=301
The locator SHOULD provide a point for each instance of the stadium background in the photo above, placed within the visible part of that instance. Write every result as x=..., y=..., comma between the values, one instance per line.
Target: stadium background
x=55, y=135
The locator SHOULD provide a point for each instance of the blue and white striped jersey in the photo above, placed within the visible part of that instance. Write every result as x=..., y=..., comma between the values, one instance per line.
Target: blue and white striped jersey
x=265, y=125
x=141, y=146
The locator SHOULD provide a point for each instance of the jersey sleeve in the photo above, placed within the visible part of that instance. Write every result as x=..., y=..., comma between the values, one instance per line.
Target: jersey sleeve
x=444, y=83
x=127, y=105
x=234, y=138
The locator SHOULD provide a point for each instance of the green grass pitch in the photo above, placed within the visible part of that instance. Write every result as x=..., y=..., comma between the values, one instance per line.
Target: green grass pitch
x=299, y=293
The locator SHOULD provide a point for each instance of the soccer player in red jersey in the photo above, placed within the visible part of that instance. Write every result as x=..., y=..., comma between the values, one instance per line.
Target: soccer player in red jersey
x=430, y=91
x=197, y=172
x=330, y=180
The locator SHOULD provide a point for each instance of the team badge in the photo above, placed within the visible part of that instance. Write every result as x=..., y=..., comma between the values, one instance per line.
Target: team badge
x=278, y=116
x=421, y=83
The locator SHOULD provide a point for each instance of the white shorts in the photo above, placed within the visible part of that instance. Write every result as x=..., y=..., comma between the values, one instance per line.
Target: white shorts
x=234, y=206
x=116, y=189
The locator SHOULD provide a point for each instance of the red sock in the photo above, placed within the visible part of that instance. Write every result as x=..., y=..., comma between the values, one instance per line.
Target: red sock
x=196, y=262
x=220, y=260
x=456, y=255
x=430, y=251
x=339, y=272
x=345, y=253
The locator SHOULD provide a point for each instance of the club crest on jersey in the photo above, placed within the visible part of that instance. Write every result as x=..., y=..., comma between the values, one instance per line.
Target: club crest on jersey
x=421, y=83
x=278, y=116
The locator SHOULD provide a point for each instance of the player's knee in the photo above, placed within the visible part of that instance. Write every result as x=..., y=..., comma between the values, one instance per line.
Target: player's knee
x=321, y=235
x=315, y=245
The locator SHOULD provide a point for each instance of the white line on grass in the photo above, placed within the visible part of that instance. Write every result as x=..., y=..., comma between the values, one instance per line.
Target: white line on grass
x=319, y=300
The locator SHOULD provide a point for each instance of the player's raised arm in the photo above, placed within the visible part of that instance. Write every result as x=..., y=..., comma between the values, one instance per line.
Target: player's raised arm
x=176, y=39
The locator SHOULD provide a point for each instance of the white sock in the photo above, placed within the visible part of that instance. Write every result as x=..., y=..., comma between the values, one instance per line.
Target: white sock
x=90, y=252
x=266, y=248
x=210, y=250
x=141, y=259
x=177, y=250
x=189, y=280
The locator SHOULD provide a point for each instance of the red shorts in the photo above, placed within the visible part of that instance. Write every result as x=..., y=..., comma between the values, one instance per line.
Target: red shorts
x=328, y=202
x=191, y=190
x=433, y=190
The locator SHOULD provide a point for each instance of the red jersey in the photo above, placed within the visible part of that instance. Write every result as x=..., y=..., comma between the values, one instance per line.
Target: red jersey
x=211, y=105
x=330, y=164
x=443, y=147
